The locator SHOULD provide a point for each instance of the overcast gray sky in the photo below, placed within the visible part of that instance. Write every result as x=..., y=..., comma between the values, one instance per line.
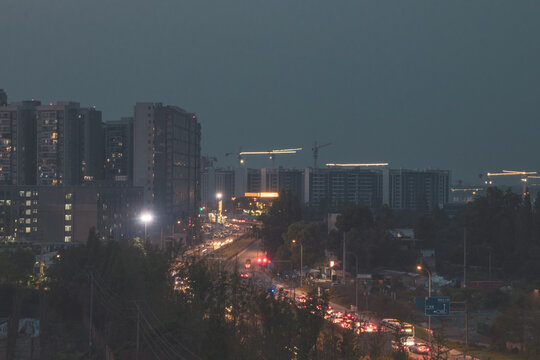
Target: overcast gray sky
x=420, y=84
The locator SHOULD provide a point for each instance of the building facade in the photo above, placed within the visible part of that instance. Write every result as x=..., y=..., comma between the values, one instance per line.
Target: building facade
x=119, y=150
x=70, y=149
x=67, y=213
x=166, y=162
x=18, y=143
x=3, y=97
x=332, y=189
x=421, y=190
x=216, y=181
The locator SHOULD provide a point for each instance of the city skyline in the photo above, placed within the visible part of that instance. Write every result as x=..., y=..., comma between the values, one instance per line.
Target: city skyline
x=365, y=76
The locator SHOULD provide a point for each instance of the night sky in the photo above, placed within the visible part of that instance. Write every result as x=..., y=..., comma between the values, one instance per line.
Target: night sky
x=420, y=84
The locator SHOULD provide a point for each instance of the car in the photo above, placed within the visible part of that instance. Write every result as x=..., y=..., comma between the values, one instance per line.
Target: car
x=369, y=327
x=420, y=348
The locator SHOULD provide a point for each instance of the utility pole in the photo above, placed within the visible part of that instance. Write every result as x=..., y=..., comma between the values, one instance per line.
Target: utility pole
x=91, y=314
x=138, y=326
x=301, y=264
x=489, y=265
x=344, y=256
x=466, y=325
x=464, y=257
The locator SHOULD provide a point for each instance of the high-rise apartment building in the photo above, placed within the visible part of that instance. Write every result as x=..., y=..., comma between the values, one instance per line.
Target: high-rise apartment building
x=166, y=162
x=421, y=190
x=119, y=150
x=332, y=189
x=3, y=97
x=268, y=180
x=18, y=143
x=56, y=214
x=216, y=181
x=70, y=147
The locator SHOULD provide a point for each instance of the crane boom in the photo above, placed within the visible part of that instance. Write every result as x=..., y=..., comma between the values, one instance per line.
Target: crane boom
x=315, y=150
x=524, y=176
x=357, y=165
x=272, y=154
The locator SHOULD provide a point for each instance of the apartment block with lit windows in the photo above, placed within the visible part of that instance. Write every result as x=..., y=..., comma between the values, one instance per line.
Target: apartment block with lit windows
x=18, y=143
x=55, y=214
x=119, y=150
x=166, y=163
x=70, y=148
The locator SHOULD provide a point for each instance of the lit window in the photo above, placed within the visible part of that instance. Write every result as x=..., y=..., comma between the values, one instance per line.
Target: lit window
x=28, y=229
x=67, y=228
x=34, y=220
x=28, y=202
x=21, y=193
x=69, y=195
x=67, y=238
x=28, y=212
x=34, y=211
x=68, y=206
x=28, y=193
x=34, y=228
x=68, y=217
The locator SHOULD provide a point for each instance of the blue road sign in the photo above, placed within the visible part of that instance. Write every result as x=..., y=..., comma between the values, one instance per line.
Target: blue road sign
x=437, y=306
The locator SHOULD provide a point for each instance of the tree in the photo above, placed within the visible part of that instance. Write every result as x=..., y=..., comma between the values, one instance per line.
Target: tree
x=309, y=237
x=284, y=211
x=16, y=268
x=439, y=349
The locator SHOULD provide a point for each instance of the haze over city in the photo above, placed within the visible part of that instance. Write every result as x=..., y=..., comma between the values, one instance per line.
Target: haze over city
x=450, y=85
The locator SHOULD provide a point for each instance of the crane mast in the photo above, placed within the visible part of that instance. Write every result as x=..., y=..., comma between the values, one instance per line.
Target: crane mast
x=315, y=150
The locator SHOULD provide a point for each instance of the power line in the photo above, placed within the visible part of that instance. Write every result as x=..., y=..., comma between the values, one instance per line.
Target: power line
x=175, y=340
x=166, y=345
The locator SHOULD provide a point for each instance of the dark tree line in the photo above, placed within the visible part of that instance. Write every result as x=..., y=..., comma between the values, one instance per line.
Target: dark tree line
x=501, y=229
x=121, y=289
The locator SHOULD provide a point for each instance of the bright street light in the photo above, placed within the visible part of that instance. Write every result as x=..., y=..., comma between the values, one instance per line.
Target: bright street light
x=420, y=268
x=146, y=218
x=219, y=196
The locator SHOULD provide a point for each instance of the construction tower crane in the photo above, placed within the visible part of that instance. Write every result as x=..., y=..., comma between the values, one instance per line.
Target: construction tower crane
x=272, y=154
x=208, y=161
x=240, y=160
x=357, y=165
x=524, y=176
x=315, y=150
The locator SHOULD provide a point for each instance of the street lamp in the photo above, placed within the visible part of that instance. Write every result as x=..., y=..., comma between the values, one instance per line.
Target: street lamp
x=146, y=218
x=355, y=279
x=420, y=268
x=301, y=261
x=219, y=196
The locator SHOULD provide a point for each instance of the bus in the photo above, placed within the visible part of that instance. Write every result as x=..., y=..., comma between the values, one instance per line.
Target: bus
x=395, y=325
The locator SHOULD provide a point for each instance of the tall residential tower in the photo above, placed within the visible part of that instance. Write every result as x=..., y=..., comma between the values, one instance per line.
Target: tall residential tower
x=166, y=162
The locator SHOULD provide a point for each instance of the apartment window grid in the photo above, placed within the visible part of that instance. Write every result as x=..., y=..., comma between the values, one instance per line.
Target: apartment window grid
x=68, y=220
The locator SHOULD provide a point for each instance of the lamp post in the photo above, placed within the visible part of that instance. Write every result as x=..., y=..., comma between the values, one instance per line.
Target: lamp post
x=420, y=268
x=355, y=279
x=219, y=196
x=301, y=261
x=146, y=218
